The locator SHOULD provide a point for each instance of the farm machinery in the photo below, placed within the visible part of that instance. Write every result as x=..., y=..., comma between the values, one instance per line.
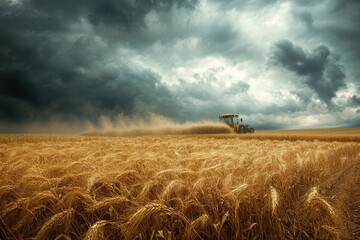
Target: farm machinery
x=235, y=122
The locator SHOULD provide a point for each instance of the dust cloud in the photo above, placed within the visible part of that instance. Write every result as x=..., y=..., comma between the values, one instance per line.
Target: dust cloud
x=136, y=125
x=152, y=124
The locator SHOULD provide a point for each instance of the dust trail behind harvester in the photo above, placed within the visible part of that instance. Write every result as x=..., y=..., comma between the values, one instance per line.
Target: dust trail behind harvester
x=154, y=125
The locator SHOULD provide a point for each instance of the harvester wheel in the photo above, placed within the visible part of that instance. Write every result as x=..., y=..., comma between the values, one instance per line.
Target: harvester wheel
x=252, y=130
x=241, y=129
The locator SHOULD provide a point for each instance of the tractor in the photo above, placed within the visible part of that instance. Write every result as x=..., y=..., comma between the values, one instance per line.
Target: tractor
x=235, y=122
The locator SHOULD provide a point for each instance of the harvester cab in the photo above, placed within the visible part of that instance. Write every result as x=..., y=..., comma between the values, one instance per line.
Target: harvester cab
x=235, y=122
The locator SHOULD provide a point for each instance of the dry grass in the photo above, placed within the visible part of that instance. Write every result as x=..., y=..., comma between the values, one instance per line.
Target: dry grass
x=220, y=186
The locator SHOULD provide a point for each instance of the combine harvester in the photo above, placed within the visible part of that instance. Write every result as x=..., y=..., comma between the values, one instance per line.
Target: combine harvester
x=235, y=122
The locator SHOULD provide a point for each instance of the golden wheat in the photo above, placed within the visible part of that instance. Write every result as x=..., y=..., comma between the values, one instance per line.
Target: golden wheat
x=284, y=185
x=60, y=223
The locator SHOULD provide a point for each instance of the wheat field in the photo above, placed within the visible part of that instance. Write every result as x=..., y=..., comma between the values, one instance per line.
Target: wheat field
x=269, y=185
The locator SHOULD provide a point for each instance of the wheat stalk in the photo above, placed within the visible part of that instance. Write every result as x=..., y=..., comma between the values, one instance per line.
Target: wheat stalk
x=96, y=231
x=314, y=196
x=140, y=219
x=274, y=199
x=58, y=224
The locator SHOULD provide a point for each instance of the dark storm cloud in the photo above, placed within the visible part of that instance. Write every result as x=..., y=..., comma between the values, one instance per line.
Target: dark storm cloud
x=86, y=58
x=354, y=101
x=219, y=38
x=126, y=13
x=235, y=4
x=46, y=69
x=319, y=69
x=334, y=22
x=305, y=17
x=345, y=31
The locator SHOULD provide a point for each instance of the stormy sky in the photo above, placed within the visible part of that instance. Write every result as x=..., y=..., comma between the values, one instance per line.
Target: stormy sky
x=281, y=64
